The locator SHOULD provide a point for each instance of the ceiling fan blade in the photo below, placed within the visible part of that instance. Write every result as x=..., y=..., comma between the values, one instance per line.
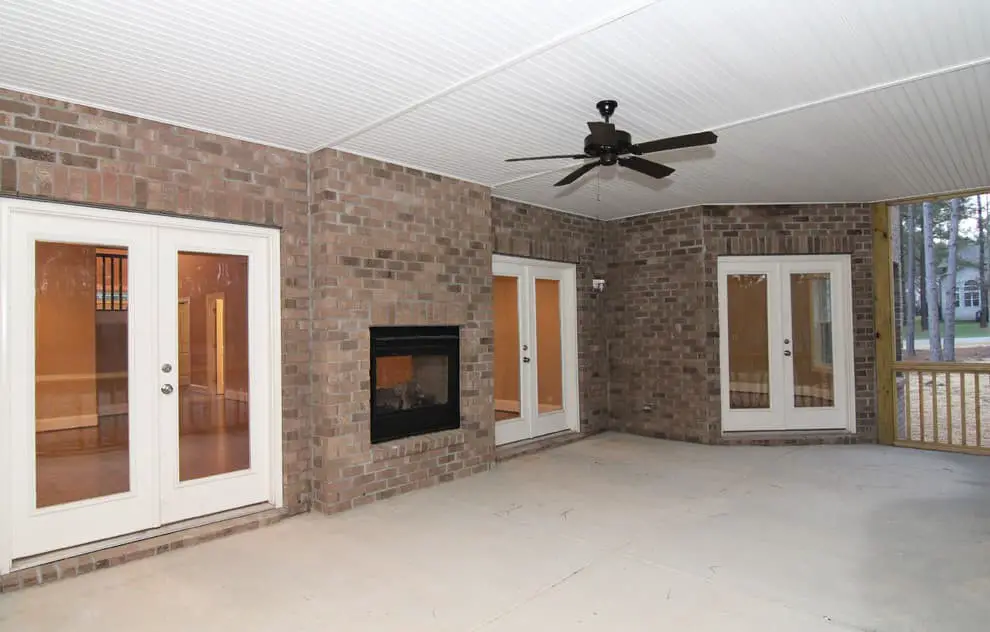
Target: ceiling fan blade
x=642, y=165
x=545, y=157
x=602, y=133
x=676, y=142
x=577, y=173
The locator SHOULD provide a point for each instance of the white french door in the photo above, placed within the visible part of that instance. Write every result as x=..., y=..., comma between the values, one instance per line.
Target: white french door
x=105, y=438
x=215, y=434
x=535, y=308
x=786, y=343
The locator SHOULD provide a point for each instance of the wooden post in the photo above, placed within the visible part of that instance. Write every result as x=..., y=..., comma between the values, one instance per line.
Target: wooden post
x=883, y=317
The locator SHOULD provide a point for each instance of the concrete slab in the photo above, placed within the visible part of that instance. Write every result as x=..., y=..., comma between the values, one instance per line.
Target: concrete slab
x=611, y=533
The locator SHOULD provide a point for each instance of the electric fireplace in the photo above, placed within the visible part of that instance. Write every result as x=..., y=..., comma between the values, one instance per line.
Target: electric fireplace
x=415, y=381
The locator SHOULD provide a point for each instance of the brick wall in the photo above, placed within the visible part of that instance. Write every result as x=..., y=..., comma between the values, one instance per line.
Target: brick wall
x=397, y=246
x=663, y=309
x=657, y=322
x=801, y=229
x=522, y=230
x=71, y=153
x=394, y=246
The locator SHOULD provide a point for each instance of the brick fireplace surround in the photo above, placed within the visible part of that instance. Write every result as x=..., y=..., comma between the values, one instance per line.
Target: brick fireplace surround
x=366, y=243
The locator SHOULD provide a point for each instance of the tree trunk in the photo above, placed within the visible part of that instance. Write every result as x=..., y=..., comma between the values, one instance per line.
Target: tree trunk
x=923, y=277
x=949, y=300
x=909, y=284
x=981, y=241
x=931, y=285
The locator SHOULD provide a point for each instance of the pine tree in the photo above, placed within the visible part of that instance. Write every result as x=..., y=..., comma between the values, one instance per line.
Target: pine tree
x=949, y=287
x=910, y=285
x=931, y=283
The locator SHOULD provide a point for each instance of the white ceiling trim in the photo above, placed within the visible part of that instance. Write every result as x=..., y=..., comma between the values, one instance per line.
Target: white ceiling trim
x=730, y=204
x=146, y=117
x=548, y=207
x=967, y=192
x=797, y=108
x=550, y=44
x=405, y=165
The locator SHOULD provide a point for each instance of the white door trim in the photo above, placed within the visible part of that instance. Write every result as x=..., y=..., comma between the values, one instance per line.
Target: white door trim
x=8, y=364
x=777, y=269
x=567, y=273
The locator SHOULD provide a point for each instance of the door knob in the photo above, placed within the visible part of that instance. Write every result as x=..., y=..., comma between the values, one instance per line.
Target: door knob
x=525, y=359
x=787, y=353
x=167, y=389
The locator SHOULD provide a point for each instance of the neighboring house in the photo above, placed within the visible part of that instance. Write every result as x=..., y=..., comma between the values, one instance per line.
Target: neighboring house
x=967, y=290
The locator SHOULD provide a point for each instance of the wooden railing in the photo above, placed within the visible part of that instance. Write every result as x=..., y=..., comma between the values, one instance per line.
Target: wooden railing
x=943, y=405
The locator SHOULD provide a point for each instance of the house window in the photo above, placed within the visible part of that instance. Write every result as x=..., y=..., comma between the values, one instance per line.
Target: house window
x=971, y=294
x=821, y=298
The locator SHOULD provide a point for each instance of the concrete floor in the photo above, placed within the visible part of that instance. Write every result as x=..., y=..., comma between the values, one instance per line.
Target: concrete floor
x=613, y=533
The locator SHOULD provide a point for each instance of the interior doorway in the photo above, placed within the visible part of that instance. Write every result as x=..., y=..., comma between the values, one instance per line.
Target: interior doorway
x=185, y=343
x=535, y=332
x=215, y=336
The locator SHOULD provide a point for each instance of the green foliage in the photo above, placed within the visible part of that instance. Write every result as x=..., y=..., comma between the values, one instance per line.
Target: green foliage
x=941, y=212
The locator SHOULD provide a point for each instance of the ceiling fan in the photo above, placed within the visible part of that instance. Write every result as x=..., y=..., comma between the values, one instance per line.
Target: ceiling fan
x=610, y=146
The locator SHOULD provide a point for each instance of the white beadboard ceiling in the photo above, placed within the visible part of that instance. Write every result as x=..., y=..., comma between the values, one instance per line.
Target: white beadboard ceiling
x=813, y=100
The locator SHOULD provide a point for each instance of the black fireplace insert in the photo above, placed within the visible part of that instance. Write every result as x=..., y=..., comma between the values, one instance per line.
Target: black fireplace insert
x=415, y=381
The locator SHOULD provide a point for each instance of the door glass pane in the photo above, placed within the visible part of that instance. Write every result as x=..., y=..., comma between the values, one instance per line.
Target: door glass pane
x=811, y=326
x=505, y=291
x=549, y=371
x=749, y=341
x=80, y=363
x=213, y=405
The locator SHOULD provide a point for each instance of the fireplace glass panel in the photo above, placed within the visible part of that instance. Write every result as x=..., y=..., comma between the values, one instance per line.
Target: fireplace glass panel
x=407, y=382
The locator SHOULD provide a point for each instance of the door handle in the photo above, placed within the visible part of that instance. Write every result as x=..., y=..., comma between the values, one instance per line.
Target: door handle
x=167, y=389
x=525, y=359
x=787, y=354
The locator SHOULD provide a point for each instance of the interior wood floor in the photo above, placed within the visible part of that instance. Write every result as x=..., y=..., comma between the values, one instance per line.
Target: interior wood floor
x=82, y=463
x=506, y=415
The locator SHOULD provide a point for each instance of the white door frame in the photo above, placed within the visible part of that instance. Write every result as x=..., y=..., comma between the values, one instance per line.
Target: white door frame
x=781, y=415
x=533, y=424
x=9, y=364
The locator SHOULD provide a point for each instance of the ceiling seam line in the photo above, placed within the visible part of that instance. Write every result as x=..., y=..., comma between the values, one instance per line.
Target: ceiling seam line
x=497, y=68
x=803, y=106
x=877, y=87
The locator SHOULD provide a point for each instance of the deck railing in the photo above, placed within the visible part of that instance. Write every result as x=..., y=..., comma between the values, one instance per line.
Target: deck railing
x=944, y=405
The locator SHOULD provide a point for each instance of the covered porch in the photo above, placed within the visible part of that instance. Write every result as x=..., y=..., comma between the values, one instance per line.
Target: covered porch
x=614, y=532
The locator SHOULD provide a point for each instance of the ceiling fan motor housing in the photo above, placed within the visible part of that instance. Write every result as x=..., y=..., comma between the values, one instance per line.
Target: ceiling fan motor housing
x=620, y=145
